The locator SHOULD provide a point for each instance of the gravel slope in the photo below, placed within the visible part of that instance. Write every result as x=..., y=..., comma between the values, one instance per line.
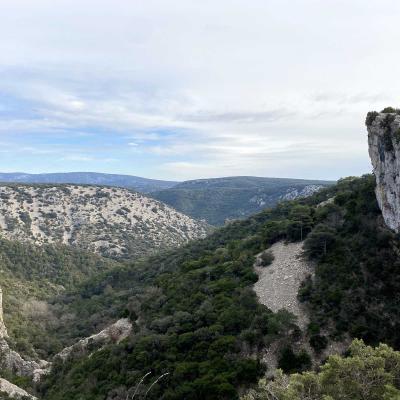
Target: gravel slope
x=279, y=282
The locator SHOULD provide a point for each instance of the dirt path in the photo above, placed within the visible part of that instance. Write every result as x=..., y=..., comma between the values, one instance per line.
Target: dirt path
x=279, y=282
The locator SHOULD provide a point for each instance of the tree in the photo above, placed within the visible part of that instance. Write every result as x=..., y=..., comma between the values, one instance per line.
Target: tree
x=367, y=374
x=319, y=240
x=300, y=222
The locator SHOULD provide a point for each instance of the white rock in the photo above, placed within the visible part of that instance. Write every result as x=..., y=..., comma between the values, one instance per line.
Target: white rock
x=384, y=151
x=13, y=391
x=109, y=221
x=112, y=334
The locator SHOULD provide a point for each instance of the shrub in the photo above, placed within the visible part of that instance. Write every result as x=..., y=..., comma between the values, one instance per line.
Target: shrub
x=319, y=241
x=290, y=362
x=318, y=342
x=366, y=374
x=390, y=110
x=371, y=118
x=267, y=258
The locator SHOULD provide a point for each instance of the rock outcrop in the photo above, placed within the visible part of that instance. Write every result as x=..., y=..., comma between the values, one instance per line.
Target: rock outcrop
x=384, y=150
x=12, y=361
x=3, y=329
x=13, y=391
x=112, y=334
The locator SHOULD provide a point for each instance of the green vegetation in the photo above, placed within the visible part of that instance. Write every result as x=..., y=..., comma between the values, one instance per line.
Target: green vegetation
x=223, y=199
x=390, y=110
x=356, y=286
x=196, y=316
x=366, y=374
x=267, y=258
x=197, y=319
x=290, y=362
x=31, y=275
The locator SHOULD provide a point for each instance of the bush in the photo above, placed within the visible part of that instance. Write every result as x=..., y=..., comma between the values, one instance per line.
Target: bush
x=318, y=342
x=267, y=258
x=319, y=241
x=290, y=362
x=371, y=118
x=367, y=374
x=390, y=110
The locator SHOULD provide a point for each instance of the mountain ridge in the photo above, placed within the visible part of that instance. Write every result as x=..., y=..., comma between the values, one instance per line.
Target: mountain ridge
x=220, y=200
x=109, y=221
x=144, y=185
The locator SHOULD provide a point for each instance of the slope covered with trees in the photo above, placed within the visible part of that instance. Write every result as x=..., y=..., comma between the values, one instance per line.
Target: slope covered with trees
x=197, y=321
x=197, y=318
x=356, y=288
x=30, y=276
x=223, y=199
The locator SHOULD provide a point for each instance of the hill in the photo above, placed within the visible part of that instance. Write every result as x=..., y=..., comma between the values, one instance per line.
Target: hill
x=198, y=320
x=110, y=221
x=31, y=275
x=222, y=199
x=137, y=183
x=194, y=312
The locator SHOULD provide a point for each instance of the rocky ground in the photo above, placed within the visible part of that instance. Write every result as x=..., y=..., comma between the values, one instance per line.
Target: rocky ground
x=277, y=288
x=109, y=221
x=279, y=283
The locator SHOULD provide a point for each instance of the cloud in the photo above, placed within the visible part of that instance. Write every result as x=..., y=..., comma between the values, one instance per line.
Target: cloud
x=186, y=88
x=238, y=117
x=77, y=157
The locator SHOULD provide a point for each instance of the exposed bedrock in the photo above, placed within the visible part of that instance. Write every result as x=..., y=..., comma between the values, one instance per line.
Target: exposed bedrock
x=384, y=151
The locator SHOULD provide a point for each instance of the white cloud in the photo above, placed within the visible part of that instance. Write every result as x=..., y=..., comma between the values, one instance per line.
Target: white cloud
x=227, y=87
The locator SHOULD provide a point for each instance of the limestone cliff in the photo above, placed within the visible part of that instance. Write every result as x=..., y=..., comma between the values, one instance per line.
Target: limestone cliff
x=114, y=333
x=3, y=329
x=13, y=391
x=384, y=150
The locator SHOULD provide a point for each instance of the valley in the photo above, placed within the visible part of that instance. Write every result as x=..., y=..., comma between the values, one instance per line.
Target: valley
x=213, y=314
x=221, y=200
x=216, y=201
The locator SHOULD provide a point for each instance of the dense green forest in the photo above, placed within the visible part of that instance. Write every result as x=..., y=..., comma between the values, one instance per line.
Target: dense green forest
x=197, y=321
x=357, y=282
x=196, y=316
x=30, y=276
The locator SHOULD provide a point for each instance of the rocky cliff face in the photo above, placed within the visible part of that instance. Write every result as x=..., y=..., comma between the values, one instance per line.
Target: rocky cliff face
x=109, y=221
x=384, y=150
x=3, y=329
x=13, y=391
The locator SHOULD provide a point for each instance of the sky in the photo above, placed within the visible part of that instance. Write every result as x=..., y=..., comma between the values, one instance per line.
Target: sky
x=185, y=89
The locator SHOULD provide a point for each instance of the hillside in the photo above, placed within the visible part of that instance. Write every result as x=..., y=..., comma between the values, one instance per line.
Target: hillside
x=222, y=199
x=109, y=221
x=198, y=319
x=31, y=275
x=195, y=314
x=137, y=183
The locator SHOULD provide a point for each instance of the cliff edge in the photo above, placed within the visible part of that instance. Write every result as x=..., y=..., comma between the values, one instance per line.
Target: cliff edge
x=384, y=151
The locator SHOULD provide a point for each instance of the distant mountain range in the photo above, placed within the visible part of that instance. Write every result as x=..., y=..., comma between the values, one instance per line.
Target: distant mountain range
x=222, y=199
x=143, y=185
x=215, y=200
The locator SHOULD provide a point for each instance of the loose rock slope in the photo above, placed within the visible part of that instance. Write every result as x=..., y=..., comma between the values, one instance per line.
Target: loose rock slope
x=109, y=221
x=279, y=283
